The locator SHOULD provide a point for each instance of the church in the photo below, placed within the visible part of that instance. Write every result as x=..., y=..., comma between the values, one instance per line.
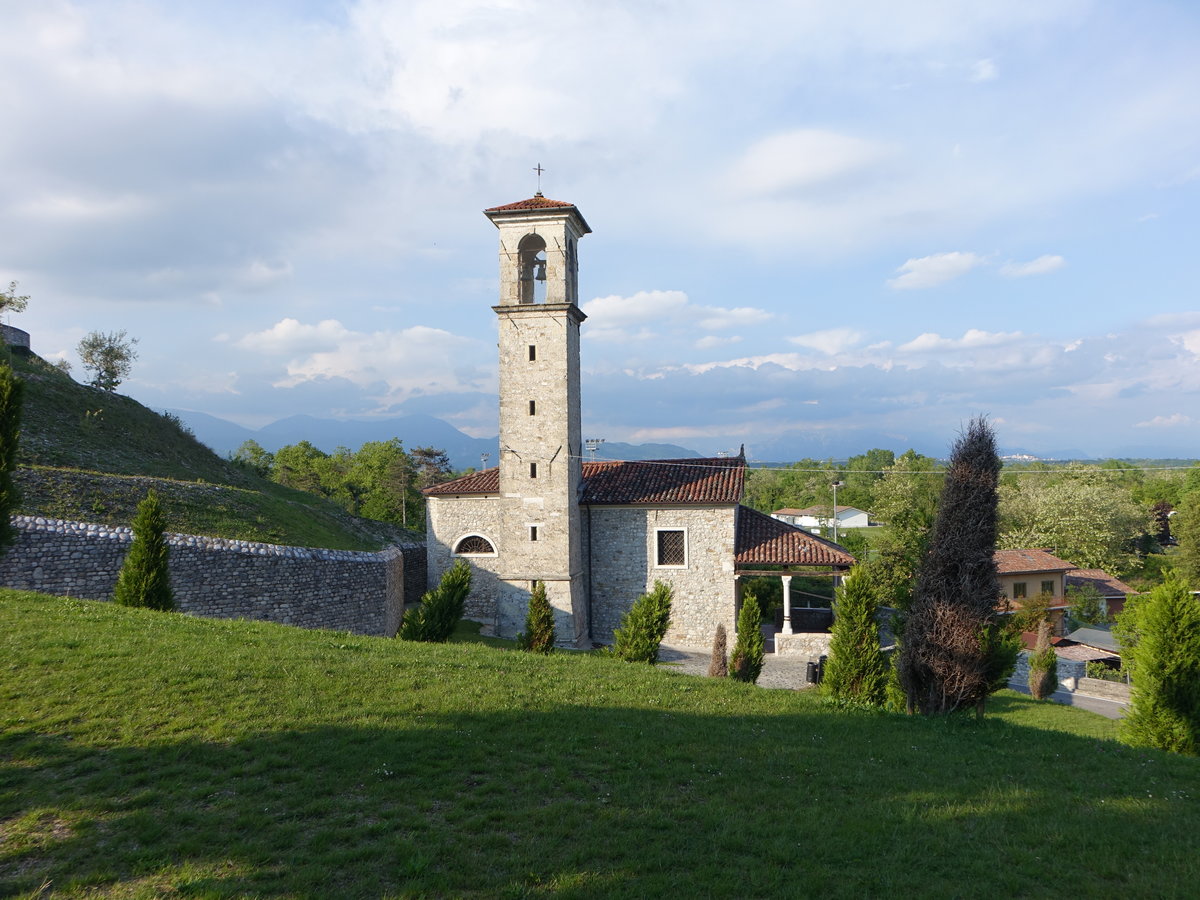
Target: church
x=597, y=534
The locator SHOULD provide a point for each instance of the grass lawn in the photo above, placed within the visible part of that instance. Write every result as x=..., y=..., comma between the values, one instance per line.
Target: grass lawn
x=147, y=755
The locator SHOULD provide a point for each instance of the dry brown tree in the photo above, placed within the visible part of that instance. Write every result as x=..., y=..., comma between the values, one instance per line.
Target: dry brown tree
x=949, y=655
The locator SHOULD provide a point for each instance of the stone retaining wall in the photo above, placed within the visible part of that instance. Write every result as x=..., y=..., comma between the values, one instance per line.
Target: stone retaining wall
x=1105, y=690
x=1070, y=671
x=338, y=589
x=813, y=645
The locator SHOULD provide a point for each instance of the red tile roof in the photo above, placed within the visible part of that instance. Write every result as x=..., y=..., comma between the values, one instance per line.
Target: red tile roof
x=1099, y=579
x=762, y=540
x=485, y=482
x=1012, y=562
x=661, y=481
x=711, y=481
x=537, y=201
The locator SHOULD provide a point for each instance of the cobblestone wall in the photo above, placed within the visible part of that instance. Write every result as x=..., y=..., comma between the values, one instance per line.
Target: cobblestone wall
x=338, y=589
x=1069, y=671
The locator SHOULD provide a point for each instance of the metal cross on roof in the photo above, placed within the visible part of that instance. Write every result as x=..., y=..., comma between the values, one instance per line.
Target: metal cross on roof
x=538, y=168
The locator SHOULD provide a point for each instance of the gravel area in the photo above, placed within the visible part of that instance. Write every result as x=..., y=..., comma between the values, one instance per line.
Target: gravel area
x=781, y=672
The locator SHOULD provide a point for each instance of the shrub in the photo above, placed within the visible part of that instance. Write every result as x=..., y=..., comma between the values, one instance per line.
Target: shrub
x=746, y=663
x=145, y=578
x=718, y=666
x=644, y=626
x=1043, y=665
x=441, y=608
x=538, y=636
x=857, y=669
x=12, y=393
x=1165, y=709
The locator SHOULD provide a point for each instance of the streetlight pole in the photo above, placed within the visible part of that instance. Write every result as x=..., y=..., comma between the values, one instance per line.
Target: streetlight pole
x=836, y=485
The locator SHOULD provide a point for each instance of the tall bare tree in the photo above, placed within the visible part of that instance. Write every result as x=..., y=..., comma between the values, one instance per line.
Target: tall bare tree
x=952, y=655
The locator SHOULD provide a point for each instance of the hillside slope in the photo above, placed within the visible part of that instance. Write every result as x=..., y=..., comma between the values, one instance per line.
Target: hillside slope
x=90, y=455
x=147, y=755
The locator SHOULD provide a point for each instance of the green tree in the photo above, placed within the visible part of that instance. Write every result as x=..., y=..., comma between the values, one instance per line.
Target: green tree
x=12, y=399
x=252, y=455
x=860, y=477
x=145, y=577
x=749, y=650
x=857, y=669
x=440, y=609
x=109, y=357
x=1043, y=665
x=296, y=466
x=905, y=500
x=539, y=635
x=11, y=301
x=1083, y=514
x=644, y=626
x=945, y=661
x=1087, y=606
x=1186, y=526
x=1165, y=710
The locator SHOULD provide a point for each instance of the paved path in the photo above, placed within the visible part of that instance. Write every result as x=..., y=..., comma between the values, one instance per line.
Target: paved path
x=1110, y=709
x=784, y=672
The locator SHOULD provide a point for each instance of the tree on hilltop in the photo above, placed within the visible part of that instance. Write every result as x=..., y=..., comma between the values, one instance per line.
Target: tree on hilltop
x=109, y=357
x=11, y=301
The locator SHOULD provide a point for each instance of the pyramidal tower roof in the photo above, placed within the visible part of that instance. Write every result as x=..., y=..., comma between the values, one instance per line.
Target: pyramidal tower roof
x=537, y=203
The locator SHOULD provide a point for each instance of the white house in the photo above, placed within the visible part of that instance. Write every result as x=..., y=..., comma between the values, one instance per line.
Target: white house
x=819, y=517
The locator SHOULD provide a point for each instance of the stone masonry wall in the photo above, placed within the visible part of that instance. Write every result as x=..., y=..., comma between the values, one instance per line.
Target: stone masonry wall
x=622, y=555
x=1069, y=671
x=338, y=589
x=447, y=521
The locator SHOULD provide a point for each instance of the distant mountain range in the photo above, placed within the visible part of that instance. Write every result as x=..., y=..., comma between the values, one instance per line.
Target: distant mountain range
x=463, y=450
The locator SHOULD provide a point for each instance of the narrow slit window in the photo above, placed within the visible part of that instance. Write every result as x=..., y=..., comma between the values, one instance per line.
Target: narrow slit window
x=533, y=532
x=533, y=470
x=533, y=407
x=532, y=352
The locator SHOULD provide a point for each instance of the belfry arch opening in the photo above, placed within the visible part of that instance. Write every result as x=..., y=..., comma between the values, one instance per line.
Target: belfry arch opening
x=531, y=255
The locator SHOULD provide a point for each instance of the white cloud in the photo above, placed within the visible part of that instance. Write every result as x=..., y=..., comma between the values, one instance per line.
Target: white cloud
x=1190, y=340
x=930, y=271
x=709, y=341
x=801, y=159
x=716, y=318
x=615, y=318
x=984, y=70
x=290, y=336
x=973, y=339
x=1171, y=421
x=829, y=341
x=1039, y=266
x=615, y=311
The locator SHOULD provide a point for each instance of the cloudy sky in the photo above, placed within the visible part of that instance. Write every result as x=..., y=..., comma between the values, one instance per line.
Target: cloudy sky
x=818, y=227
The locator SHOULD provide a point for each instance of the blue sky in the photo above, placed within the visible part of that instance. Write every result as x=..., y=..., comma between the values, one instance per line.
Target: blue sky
x=817, y=227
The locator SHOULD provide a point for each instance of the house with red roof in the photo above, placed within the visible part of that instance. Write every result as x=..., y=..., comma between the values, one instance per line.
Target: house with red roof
x=596, y=534
x=1027, y=574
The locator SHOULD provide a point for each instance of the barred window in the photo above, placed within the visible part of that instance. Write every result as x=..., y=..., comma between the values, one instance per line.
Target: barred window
x=473, y=543
x=1048, y=588
x=672, y=547
x=1019, y=590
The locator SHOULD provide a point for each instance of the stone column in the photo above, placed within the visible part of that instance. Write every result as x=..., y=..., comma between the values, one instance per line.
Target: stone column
x=787, y=603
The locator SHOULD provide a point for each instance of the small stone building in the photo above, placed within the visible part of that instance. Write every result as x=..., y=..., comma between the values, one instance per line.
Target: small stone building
x=596, y=534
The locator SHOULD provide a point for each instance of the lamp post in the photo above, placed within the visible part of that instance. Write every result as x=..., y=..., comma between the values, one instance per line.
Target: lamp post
x=836, y=485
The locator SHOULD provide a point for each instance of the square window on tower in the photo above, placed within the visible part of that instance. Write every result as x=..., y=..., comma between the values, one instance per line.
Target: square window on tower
x=533, y=470
x=533, y=353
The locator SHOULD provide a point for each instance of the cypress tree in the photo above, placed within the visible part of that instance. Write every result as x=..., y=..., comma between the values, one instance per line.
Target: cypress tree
x=644, y=626
x=857, y=669
x=718, y=665
x=749, y=649
x=1043, y=665
x=539, y=635
x=12, y=397
x=145, y=579
x=1165, y=710
x=440, y=609
x=950, y=655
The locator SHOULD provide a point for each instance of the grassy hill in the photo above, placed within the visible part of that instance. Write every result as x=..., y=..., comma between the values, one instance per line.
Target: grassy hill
x=89, y=454
x=149, y=755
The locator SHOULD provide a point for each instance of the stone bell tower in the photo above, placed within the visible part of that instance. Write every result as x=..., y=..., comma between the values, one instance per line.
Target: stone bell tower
x=540, y=431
